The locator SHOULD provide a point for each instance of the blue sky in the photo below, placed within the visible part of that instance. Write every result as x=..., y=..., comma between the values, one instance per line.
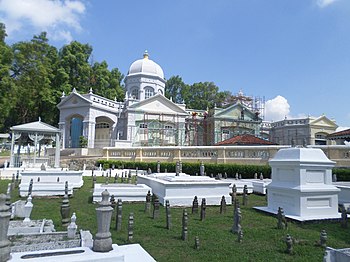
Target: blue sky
x=294, y=53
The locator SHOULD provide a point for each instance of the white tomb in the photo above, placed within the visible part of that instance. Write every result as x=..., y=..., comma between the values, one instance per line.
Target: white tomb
x=125, y=192
x=302, y=185
x=50, y=182
x=180, y=190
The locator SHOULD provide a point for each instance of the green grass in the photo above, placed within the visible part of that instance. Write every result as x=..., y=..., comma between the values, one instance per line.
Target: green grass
x=262, y=241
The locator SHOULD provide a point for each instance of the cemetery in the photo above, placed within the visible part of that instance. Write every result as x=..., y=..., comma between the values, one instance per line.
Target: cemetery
x=174, y=216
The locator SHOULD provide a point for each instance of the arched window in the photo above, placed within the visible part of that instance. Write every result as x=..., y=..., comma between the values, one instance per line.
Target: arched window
x=149, y=92
x=135, y=93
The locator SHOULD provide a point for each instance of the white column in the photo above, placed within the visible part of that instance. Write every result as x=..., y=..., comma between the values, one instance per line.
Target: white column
x=35, y=143
x=12, y=158
x=57, y=151
x=63, y=127
x=89, y=132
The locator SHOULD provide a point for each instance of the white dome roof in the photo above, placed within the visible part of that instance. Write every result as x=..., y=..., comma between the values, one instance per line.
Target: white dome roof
x=146, y=66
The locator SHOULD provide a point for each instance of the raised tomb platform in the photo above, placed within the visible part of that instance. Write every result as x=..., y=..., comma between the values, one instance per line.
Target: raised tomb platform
x=302, y=185
x=50, y=182
x=180, y=190
x=125, y=192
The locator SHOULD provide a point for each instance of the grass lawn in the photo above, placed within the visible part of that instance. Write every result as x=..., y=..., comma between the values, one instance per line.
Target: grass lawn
x=262, y=241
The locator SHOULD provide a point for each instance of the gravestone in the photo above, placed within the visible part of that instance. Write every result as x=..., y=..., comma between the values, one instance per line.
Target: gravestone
x=28, y=207
x=196, y=242
x=30, y=189
x=195, y=205
x=103, y=240
x=237, y=221
x=65, y=211
x=158, y=166
x=261, y=176
x=72, y=228
x=289, y=243
x=281, y=219
x=118, y=222
x=113, y=203
x=240, y=236
x=168, y=215
x=255, y=175
x=156, y=208
x=148, y=202
x=180, y=166
x=203, y=208
x=184, y=225
x=245, y=195
x=131, y=227
x=236, y=176
x=201, y=169
x=94, y=181
x=233, y=194
x=177, y=169
x=344, y=217
x=223, y=205
x=323, y=238
x=225, y=175
x=5, y=244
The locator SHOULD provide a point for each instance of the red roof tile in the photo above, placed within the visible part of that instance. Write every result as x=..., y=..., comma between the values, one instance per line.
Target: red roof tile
x=245, y=139
x=340, y=133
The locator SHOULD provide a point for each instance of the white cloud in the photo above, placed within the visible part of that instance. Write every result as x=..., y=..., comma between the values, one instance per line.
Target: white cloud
x=325, y=3
x=57, y=17
x=276, y=109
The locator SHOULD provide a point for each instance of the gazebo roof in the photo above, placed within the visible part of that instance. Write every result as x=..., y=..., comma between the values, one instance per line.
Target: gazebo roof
x=37, y=126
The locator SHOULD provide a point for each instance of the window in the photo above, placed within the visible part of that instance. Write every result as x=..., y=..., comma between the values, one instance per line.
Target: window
x=135, y=93
x=102, y=125
x=168, y=127
x=143, y=125
x=149, y=92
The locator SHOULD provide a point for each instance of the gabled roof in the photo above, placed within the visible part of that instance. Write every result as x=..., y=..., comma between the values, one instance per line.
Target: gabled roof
x=232, y=111
x=69, y=101
x=245, y=139
x=157, y=104
x=323, y=121
x=343, y=133
x=37, y=126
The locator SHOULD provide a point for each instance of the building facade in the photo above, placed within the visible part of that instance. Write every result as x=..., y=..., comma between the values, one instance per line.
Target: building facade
x=309, y=130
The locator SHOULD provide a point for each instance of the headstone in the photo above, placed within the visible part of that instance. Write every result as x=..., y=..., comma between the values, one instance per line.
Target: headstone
x=8, y=194
x=236, y=205
x=58, y=179
x=66, y=188
x=156, y=208
x=261, y=176
x=118, y=222
x=168, y=215
x=84, y=167
x=203, y=208
x=5, y=244
x=43, y=167
x=195, y=205
x=28, y=207
x=30, y=189
x=149, y=171
x=72, y=228
x=116, y=178
x=180, y=166
x=201, y=169
x=103, y=240
x=65, y=211
x=148, y=202
x=255, y=175
x=158, y=166
x=113, y=202
x=38, y=180
x=13, y=185
x=196, y=242
x=240, y=176
x=236, y=176
x=245, y=195
x=165, y=170
x=225, y=175
x=344, y=217
x=233, y=194
x=131, y=227
x=281, y=219
x=177, y=169
x=334, y=178
x=100, y=167
x=212, y=175
x=223, y=205
x=289, y=243
x=17, y=178
x=184, y=225
x=323, y=238
x=94, y=181
x=240, y=236
x=237, y=221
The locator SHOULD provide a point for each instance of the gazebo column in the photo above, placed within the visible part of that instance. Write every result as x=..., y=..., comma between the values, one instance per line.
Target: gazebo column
x=89, y=133
x=35, y=144
x=12, y=158
x=57, y=151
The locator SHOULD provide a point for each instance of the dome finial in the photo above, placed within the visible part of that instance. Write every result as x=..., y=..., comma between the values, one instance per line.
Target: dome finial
x=145, y=54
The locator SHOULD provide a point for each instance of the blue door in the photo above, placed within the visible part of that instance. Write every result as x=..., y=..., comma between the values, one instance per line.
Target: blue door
x=76, y=131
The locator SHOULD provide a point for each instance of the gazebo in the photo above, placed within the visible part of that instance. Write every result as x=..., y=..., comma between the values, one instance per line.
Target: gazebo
x=35, y=132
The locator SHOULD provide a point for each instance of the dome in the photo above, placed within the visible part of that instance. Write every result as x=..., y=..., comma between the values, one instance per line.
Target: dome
x=146, y=66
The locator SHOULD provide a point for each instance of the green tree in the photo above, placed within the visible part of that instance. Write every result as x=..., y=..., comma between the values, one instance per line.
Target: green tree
x=33, y=69
x=74, y=70
x=7, y=94
x=106, y=83
x=175, y=89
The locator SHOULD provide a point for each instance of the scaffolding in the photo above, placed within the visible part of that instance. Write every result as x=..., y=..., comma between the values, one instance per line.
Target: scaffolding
x=254, y=103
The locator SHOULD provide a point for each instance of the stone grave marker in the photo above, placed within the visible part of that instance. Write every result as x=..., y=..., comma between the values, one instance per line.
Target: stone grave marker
x=148, y=202
x=195, y=205
x=72, y=228
x=168, y=215
x=118, y=222
x=156, y=208
x=203, y=208
x=223, y=205
x=5, y=244
x=184, y=225
x=131, y=227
